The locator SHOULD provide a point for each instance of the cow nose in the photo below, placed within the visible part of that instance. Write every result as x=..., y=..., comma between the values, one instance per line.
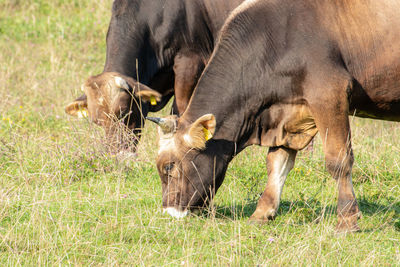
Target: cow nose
x=176, y=213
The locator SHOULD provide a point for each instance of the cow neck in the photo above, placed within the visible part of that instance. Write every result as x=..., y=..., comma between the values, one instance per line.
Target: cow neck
x=236, y=105
x=217, y=11
x=237, y=86
x=183, y=26
x=188, y=25
x=128, y=43
x=204, y=19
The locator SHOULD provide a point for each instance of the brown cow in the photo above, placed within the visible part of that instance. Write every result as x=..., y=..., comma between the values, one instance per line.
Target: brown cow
x=282, y=71
x=164, y=43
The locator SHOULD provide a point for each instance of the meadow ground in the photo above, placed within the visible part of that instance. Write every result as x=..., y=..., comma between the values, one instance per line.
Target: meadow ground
x=65, y=201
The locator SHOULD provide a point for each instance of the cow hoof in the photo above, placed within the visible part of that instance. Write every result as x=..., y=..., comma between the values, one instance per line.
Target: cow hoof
x=347, y=225
x=261, y=218
x=257, y=221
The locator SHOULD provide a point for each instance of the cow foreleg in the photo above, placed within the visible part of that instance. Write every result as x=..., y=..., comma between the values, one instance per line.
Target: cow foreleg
x=187, y=69
x=280, y=161
x=331, y=118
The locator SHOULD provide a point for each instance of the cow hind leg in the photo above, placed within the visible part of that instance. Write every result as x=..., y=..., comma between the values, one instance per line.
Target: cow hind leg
x=330, y=111
x=280, y=161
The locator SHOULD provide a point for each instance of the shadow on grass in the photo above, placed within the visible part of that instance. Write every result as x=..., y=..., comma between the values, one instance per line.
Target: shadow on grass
x=313, y=211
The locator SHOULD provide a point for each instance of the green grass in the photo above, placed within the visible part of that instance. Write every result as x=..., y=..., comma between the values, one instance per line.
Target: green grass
x=65, y=201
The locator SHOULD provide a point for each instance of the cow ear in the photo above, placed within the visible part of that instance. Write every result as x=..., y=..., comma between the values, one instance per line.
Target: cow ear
x=77, y=108
x=200, y=132
x=145, y=93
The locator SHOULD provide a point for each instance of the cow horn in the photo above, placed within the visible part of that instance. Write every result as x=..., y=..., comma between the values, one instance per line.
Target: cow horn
x=166, y=125
x=121, y=83
x=155, y=120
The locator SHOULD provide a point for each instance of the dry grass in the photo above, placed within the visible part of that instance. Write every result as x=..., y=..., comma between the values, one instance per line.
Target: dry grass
x=65, y=200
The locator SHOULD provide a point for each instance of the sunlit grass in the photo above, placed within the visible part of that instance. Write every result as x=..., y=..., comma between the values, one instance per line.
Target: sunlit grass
x=65, y=200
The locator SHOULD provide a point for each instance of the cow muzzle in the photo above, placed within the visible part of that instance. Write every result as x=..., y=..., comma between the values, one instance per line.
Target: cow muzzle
x=176, y=213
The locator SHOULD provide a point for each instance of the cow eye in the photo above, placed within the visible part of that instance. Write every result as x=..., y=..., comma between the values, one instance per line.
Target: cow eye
x=169, y=167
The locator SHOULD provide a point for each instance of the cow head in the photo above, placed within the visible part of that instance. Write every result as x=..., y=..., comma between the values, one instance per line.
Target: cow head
x=189, y=163
x=112, y=100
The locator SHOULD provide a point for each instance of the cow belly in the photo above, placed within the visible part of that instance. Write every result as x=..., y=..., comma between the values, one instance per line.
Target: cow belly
x=392, y=114
x=376, y=89
x=382, y=103
x=288, y=125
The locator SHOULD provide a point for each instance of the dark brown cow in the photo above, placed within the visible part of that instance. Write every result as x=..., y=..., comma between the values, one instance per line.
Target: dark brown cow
x=164, y=43
x=282, y=71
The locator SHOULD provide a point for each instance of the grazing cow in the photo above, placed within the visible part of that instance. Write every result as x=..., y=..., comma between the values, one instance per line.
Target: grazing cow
x=166, y=44
x=281, y=71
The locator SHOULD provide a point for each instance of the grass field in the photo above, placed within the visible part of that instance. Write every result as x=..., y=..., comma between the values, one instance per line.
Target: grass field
x=65, y=201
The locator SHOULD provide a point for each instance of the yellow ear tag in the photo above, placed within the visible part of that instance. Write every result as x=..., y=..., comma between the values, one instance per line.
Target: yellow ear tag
x=153, y=101
x=82, y=113
x=207, y=134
